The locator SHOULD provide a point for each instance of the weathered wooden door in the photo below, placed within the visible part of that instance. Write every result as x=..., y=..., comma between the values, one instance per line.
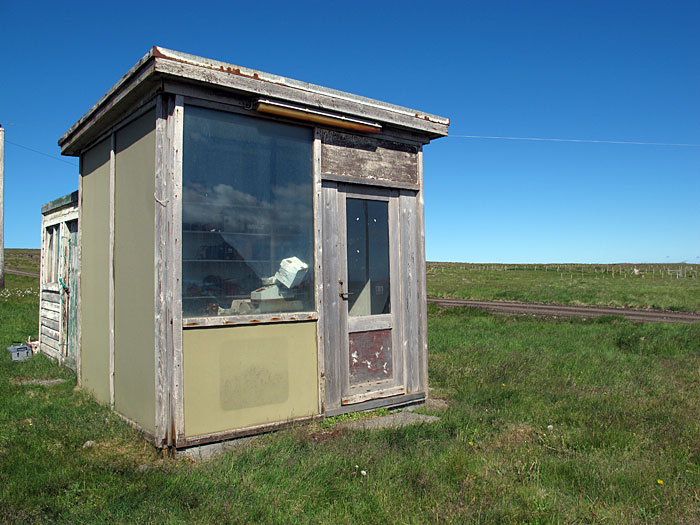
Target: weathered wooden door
x=70, y=295
x=371, y=356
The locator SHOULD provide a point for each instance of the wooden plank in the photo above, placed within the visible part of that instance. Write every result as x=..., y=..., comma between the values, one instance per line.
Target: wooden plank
x=63, y=278
x=394, y=401
x=112, y=184
x=51, y=287
x=50, y=333
x=73, y=282
x=373, y=394
x=51, y=348
x=74, y=138
x=314, y=96
x=175, y=286
x=318, y=270
x=66, y=215
x=409, y=286
x=50, y=323
x=396, y=266
x=49, y=314
x=169, y=270
x=203, y=439
x=343, y=314
x=52, y=342
x=370, y=322
x=78, y=337
x=162, y=211
x=50, y=351
x=49, y=296
x=222, y=99
x=42, y=267
x=420, y=279
x=368, y=158
x=52, y=307
x=331, y=299
x=238, y=320
x=66, y=200
x=370, y=182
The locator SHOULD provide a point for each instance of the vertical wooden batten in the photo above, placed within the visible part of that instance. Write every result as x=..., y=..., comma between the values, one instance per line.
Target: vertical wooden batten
x=42, y=271
x=176, y=121
x=422, y=291
x=318, y=268
x=78, y=350
x=329, y=260
x=161, y=280
x=112, y=186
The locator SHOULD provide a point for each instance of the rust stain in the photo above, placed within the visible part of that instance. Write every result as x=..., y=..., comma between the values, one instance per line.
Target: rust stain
x=254, y=320
x=156, y=52
x=230, y=70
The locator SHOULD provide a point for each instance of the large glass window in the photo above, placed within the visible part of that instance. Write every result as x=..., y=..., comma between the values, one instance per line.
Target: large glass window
x=247, y=215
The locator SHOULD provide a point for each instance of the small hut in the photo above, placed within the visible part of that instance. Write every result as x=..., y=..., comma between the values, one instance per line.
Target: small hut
x=252, y=250
x=58, y=296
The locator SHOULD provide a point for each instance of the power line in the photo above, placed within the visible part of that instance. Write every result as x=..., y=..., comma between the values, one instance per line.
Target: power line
x=41, y=153
x=575, y=140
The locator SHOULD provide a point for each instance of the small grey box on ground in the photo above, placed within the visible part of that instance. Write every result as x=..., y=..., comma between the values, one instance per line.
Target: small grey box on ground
x=20, y=352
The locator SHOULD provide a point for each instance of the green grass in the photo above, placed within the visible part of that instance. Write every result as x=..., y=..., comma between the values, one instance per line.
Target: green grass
x=622, y=400
x=19, y=308
x=26, y=260
x=656, y=286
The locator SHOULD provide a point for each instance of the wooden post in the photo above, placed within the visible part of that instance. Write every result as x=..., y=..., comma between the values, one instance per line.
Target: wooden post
x=2, y=222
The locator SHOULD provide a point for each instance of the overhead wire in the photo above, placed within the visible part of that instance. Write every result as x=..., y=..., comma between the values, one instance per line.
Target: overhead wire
x=41, y=153
x=594, y=141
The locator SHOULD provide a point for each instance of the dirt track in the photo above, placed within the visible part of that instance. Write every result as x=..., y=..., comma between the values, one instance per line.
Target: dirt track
x=560, y=310
x=20, y=272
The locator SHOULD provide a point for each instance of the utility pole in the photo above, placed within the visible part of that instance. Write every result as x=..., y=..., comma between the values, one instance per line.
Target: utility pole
x=2, y=208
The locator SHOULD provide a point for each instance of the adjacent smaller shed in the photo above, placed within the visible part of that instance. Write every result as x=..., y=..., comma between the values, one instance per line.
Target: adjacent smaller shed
x=58, y=312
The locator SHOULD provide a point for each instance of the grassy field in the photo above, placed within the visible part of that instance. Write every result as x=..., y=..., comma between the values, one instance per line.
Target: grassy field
x=26, y=260
x=674, y=287
x=549, y=421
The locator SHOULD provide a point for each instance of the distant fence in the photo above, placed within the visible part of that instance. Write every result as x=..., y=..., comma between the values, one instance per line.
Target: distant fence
x=623, y=271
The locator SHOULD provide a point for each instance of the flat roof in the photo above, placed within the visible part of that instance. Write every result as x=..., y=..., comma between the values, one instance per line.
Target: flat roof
x=160, y=62
x=67, y=200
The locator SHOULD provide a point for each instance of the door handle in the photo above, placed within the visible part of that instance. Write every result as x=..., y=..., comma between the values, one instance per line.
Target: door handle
x=343, y=295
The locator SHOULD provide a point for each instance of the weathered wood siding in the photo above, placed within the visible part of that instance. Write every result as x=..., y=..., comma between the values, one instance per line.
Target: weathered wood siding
x=50, y=320
x=134, y=329
x=368, y=159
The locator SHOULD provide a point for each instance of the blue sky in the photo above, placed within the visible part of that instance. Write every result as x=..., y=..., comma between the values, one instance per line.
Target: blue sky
x=619, y=71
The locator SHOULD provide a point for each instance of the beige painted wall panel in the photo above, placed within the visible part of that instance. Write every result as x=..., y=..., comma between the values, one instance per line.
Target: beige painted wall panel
x=94, y=272
x=134, y=219
x=237, y=377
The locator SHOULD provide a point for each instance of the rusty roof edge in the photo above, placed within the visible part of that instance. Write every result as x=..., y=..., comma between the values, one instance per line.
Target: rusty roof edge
x=123, y=80
x=217, y=65
x=177, y=56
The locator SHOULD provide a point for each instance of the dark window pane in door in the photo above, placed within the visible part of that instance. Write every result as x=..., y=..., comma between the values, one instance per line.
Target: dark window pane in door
x=368, y=256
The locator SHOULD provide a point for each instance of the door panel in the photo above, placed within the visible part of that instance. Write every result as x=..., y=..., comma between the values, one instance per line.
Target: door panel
x=371, y=355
